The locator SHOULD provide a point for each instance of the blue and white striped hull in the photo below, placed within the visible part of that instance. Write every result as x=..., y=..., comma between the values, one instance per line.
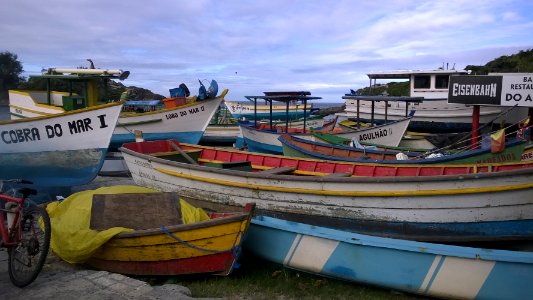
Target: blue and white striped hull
x=423, y=268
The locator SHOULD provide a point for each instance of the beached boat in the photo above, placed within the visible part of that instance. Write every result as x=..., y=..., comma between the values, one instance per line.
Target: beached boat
x=139, y=232
x=279, y=111
x=262, y=139
x=179, y=118
x=433, y=113
x=421, y=202
x=231, y=133
x=58, y=150
x=435, y=270
x=410, y=139
x=329, y=138
x=297, y=147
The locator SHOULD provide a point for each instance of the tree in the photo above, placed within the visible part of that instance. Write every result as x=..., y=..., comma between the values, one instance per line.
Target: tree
x=10, y=72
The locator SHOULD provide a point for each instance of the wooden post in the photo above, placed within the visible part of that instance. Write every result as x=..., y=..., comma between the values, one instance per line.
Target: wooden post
x=287, y=117
x=475, y=127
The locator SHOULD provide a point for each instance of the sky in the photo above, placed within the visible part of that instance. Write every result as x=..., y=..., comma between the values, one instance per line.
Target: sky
x=249, y=47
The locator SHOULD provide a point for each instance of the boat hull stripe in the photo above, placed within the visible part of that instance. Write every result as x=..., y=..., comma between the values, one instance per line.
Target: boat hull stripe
x=490, y=189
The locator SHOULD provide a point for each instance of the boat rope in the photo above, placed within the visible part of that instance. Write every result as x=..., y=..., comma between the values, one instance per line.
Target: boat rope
x=232, y=249
x=468, y=138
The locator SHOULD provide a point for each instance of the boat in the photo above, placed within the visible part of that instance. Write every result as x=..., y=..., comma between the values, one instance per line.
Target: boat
x=183, y=118
x=433, y=112
x=333, y=139
x=57, y=150
x=138, y=231
x=410, y=139
x=265, y=140
x=279, y=111
x=231, y=133
x=435, y=270
x=421, y=202
x=264, y=137
x=222, y=129
x=297, y=147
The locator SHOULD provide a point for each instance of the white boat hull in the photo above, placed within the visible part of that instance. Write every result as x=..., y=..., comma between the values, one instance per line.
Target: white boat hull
x=267, y=141
x=456, y=205
x=186, y=123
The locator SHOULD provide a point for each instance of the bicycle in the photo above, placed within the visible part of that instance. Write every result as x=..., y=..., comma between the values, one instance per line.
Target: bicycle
x=26, y=234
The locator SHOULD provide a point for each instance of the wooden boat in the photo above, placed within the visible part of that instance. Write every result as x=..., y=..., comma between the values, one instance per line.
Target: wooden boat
x=264, y=140
x=264, y=137
x=184, y=120
x=410, y=139
x=58, y=150
x=333, y=139
x=421, y=202
x=297, y=147
x=162, y=243
x=434, y=270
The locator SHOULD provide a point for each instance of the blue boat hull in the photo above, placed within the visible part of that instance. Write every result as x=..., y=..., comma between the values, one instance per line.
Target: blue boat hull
x=254, y=146
x=52, y=172
x=192, y=137
x=422, y=268
x=463, y=232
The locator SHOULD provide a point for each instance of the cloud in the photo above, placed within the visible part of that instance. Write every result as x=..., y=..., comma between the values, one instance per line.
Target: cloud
x=251, y=47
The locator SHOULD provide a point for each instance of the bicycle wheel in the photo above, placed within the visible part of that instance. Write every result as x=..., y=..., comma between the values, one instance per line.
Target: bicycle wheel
x=27, y=258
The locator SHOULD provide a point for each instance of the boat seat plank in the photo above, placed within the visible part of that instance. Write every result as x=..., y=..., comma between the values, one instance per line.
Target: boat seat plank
x=137, y=211
x=280, y=170
x=339, y=174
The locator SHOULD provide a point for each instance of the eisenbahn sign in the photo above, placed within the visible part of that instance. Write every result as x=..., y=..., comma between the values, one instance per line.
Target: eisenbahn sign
x=503, y=90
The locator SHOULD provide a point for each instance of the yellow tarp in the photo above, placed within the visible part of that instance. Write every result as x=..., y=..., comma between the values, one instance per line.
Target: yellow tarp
x=72, y=238
x=191, y=214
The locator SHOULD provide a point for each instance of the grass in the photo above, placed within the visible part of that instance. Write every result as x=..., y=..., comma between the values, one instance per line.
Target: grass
x=259, y=279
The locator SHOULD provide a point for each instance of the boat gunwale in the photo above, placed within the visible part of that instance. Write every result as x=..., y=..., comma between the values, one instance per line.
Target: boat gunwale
x=287, y=142
x=237, y=217
x=394, y=244
x=412, y=160
x=374, y=179
x=167, y=110
x=62, y=114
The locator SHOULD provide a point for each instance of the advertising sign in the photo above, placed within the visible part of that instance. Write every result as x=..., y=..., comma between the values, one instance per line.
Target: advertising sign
x=517, y=90
x=481, y=90
x=503, y=90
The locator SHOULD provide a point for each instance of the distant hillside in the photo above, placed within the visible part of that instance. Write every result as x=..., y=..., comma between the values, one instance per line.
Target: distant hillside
x=522, y=62
x=390, y=89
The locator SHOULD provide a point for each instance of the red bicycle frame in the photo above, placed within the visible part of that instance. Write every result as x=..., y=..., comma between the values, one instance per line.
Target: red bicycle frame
x=7, y=234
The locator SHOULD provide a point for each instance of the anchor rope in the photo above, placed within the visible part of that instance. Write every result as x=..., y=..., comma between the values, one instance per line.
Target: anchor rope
x=232, y=249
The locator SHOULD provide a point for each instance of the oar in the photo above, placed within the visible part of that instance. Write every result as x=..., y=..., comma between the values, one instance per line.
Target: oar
x=187, y=157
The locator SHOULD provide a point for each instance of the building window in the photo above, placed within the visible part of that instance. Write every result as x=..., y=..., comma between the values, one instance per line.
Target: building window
x=422, y=82
x=441, y=81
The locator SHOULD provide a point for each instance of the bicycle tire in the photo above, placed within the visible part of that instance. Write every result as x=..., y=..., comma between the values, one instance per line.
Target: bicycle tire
x=27, y=258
